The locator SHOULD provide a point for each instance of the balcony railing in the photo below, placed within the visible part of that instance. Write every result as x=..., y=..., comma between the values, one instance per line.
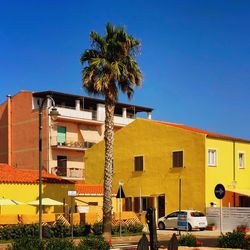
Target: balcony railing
x=70, y=112
x=74, y=145
x=70, y=172
x=91, y=115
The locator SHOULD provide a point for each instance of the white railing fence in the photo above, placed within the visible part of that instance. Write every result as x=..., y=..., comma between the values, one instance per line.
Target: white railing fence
x=232, y=217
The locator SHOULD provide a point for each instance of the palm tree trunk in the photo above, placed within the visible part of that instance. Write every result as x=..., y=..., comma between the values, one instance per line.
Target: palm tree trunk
x=108, y=168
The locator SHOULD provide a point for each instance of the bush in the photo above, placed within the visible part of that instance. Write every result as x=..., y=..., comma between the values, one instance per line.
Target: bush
x=189, y=240
x=97, y=228
x=135, y=228
x=27, y=244
x=234, y=240
x=81, y=230
x=18, y=231
x=93, y=243
x=116, y=229
x=59, y=244
x=60, y=230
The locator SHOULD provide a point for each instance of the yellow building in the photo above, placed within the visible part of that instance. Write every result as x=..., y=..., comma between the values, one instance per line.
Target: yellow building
x=168, y=165
x=89, y=201
x=22, y=186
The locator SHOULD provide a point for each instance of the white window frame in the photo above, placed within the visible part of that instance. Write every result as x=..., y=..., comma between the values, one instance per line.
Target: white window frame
x=212, y=163
x=241, y=165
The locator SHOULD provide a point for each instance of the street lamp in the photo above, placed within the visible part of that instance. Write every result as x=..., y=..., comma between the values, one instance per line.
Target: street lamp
x=53, y=113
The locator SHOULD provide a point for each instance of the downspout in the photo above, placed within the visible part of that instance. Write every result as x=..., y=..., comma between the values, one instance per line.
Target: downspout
x=234, y=170
x=9, y=127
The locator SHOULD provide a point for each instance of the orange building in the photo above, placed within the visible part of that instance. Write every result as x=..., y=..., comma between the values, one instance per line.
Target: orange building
x=64, y=141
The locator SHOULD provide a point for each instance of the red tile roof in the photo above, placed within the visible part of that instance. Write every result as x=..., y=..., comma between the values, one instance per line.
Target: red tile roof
x=9, y=174
x=90, y=190
x=205, y=132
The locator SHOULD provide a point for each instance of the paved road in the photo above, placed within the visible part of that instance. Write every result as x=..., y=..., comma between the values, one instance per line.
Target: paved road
x=209, y=238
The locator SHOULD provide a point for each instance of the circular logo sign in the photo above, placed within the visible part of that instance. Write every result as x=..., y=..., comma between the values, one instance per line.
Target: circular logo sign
x=219, y=191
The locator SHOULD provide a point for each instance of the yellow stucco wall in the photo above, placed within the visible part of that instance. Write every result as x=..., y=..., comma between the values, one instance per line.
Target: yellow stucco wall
x=83, y=200
x=155, y=142
x=227, y=155
x=29, y=192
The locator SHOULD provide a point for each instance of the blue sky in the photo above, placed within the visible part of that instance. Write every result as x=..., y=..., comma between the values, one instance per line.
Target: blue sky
x=195, y=54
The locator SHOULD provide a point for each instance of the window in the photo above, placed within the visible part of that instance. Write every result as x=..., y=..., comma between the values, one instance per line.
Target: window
x=173, y=215
x=93, y=203
x=138, y=163
x=61, y=135
x=241, y=160
x=178, y=159
x=211, y=157
x=244, y=201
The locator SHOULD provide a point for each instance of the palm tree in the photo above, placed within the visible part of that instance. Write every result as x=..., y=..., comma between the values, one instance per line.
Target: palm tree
x=110, y=66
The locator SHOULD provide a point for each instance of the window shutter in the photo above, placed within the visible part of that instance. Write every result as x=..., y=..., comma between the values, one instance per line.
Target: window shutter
x=61, y=135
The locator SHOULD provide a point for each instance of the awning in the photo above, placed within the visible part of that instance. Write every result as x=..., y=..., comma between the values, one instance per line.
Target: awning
x=245, y=192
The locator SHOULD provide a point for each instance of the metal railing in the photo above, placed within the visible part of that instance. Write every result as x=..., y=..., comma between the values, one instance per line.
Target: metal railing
x=70, y=172
x=75, y=144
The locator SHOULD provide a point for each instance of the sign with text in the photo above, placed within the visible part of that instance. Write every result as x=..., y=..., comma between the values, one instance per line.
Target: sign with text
x=72, y=193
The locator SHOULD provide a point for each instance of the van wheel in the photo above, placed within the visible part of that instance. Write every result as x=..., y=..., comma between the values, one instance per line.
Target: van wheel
x=161, y=226
x=202, y=228
x=189, y=227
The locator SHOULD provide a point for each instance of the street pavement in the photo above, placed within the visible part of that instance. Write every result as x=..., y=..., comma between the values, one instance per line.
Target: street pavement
x=208, y=238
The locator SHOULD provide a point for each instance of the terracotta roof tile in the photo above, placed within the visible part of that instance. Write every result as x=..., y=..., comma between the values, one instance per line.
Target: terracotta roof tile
x=9, y=174
x=88, y=189
x=201, y=131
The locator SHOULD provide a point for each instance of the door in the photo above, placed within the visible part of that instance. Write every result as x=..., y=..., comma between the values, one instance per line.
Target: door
x=171, y=220
x=61, y=165
x=161, y=206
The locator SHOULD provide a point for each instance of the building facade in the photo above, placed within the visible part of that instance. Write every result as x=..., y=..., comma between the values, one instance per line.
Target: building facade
x=171, y=166
x=79, y=126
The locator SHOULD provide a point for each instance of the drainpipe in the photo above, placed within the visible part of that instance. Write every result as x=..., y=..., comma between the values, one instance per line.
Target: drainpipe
x=234, y=170
x=9, y=101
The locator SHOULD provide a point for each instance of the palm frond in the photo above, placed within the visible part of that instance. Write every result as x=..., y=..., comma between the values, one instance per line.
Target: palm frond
x=89, y=54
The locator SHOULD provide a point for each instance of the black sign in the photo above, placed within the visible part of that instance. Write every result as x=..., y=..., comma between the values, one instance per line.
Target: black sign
x=219, y=191
x=120, y=193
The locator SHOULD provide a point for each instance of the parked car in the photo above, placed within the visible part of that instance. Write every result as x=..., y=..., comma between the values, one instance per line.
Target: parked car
x=195, y=219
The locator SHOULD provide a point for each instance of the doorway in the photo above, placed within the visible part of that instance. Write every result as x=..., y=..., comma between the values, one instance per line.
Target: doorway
x=61, y=165
x=161, y=205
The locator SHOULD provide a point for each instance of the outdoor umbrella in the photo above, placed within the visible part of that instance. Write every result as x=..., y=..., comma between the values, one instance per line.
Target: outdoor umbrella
x=46, y=202
x=8, y=202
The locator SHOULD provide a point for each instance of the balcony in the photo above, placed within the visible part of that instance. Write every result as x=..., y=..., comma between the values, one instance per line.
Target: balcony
x=69, y=173
x=90, y=116
x=70, y=113
x=74, y=145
